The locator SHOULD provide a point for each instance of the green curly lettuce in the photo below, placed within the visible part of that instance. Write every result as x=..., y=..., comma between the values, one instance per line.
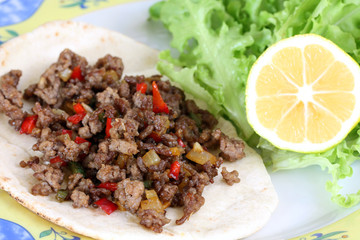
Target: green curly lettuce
x=219, y=40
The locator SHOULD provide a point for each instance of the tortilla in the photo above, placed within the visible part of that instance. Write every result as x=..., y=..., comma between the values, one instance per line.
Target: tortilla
x=229, y=212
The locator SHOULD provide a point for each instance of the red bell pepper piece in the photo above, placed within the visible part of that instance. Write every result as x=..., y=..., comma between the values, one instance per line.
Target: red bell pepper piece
x=174, y=170
x=181, y=143
x=155, y=136
x=108, y=127
x=28, y=124
x=76, y=118
x=80, y=140
x=106, y=205
x=77, y=74
x=78, y=108
x=158, y=103
x=58, y=159
x=141, y=87
x=65, y=131
x=108, y=185
x=80, y=114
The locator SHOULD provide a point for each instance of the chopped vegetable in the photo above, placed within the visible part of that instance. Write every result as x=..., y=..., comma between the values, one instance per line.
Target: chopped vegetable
x=181, y=143
x=159, y=105
x=76, y=118
x=28, y=124
x=151, y=158
x=147, y=184
x=122, y=160
x=76, y=167
x=166, y=205
x=199, y=155
x=80, y=114
x=175, y=151
x=108, y=127
x=65, y=131
x=153, y=202
x=141, y=87
x=57, y=159
x=62, y=195
x=80, y=140
x=120, y=206
x=77, y=74
x=65, y=75
x=155, y=136
x=78, y=108
x=101, y=117
x=106, y=205
x=87, y=107
x=108, y=185
x=175, y=170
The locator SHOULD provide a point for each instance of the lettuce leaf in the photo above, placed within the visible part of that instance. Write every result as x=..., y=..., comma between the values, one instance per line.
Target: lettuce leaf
x=214, y=47
x=219, y=40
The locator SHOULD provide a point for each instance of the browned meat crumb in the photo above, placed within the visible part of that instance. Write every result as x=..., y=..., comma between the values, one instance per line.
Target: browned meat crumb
x=10, y=98
x=230, y=177
x=109, y=173
x=152, y=219
x=167, y=192
x=74, y=180
x=107, y=97
x=129, y=194
x=42, y=188
x=123, y=146
x=80, y=199
x=232, y=149
x=52, y=176
x=192, y=203
x=85, y=185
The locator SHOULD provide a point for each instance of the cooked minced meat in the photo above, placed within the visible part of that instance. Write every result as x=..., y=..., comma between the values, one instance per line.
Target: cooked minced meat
x=129, y=194
x=111, y=139
x=230, y=177
x=152, y=219
x=10, y=99
x=80, y=199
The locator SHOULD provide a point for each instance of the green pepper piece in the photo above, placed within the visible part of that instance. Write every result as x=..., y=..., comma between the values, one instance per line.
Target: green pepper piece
x=147, y=184
x=61, y=195
x=101, y=117
x=75, y=167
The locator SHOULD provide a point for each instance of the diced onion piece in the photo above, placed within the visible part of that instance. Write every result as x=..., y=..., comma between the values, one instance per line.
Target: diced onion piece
x=65, y=74
x=58, y=111
x=152, y=202
x=122, y=160
x=120, y=206
x=166, y=204
x=199, y=155
x=175, y=151
x=151, y=158
x=166, y=127
x=63, y=137
x=87, y=107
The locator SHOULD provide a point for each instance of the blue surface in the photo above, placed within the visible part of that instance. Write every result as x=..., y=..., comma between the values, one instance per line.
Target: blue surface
x=15, y=11
x=11, y=230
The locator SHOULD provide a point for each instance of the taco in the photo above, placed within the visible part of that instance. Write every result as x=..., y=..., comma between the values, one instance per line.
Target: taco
x=100, y=143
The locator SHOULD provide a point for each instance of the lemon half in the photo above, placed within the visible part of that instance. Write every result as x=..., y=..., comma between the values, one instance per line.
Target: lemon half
x=303, y=94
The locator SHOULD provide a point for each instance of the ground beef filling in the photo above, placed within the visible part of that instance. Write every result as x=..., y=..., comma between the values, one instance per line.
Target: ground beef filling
x=110, y=140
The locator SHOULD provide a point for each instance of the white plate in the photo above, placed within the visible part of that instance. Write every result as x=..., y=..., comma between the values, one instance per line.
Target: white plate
x=304, y=204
